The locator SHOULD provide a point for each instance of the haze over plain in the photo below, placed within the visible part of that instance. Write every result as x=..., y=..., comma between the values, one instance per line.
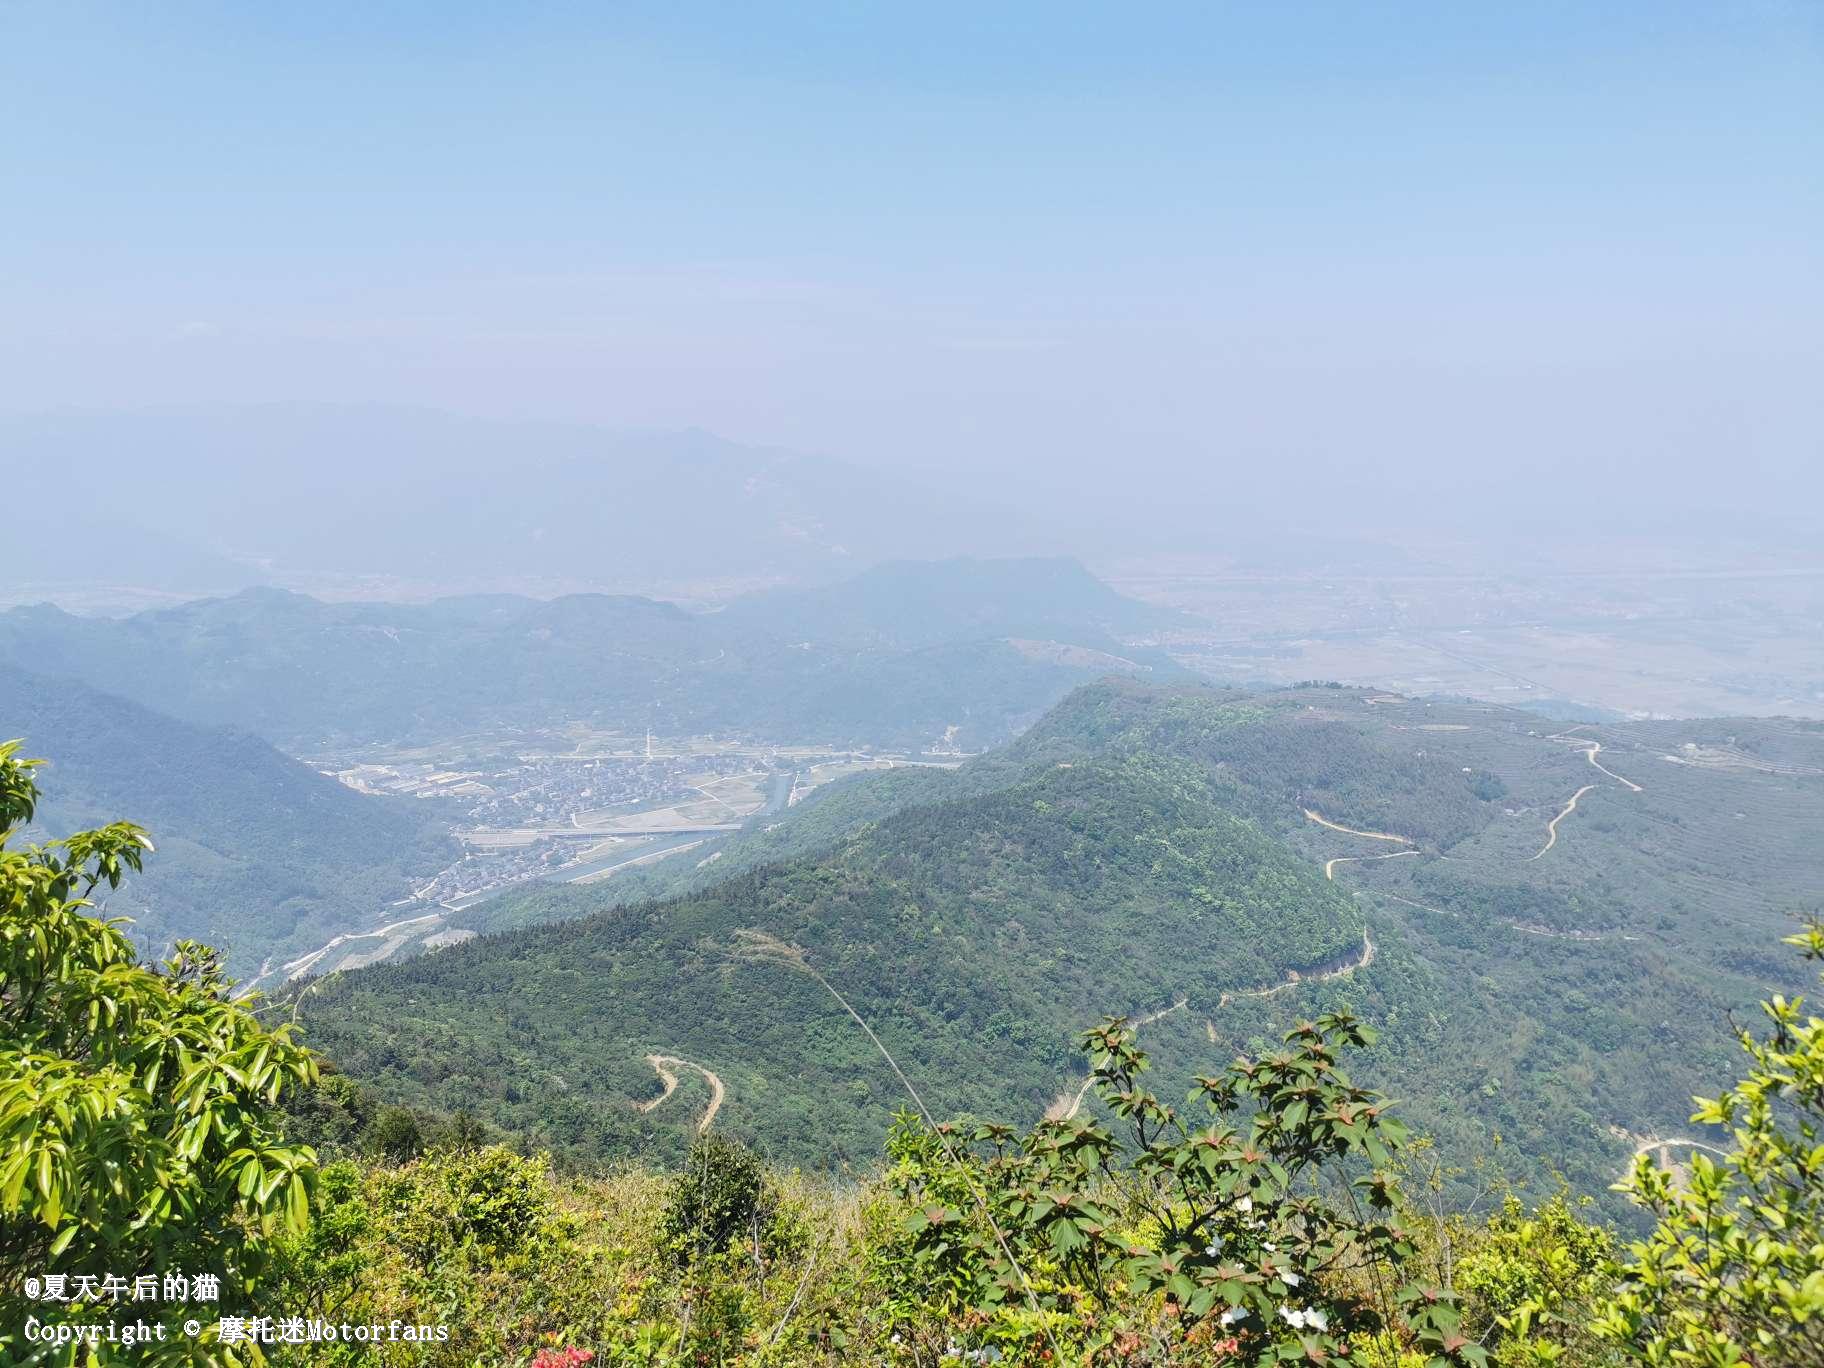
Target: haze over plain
x=1475, y=275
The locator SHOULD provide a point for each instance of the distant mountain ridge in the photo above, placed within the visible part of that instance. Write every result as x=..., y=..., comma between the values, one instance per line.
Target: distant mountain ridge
x=216, y=499
x=919, y=604
x=897, y=657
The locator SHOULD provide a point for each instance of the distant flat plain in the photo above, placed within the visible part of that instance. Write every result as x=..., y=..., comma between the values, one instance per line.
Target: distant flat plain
x=1640, y=642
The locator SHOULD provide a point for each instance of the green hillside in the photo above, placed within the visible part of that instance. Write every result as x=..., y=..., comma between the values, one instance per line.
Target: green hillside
x=1568, y=999
x=1141, y=846
x=977, y=936
x=257, y=854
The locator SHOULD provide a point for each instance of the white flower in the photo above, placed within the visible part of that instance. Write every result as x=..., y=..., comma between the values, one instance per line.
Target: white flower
x=1295, y=1319
x=1316, y=1319
x=1212, y=1250
x=894, y=1340
x=1269, y=1246
x=1290, y=1279
x=1233, y=1315
x=1244, y=1204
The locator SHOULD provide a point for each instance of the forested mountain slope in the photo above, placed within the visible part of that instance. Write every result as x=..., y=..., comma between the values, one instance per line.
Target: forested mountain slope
x=1559, y=976
x=901, y=657
x=256, y=854
x=976, y=935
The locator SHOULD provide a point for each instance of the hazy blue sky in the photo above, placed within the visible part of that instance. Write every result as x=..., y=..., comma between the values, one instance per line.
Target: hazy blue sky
x=1428, y=238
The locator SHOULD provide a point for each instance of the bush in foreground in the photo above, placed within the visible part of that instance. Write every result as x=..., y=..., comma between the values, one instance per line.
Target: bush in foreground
x=139, y=1129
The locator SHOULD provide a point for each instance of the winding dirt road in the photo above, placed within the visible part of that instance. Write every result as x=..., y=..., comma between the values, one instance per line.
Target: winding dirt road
x=1323, y=821
x=1423, y=907
x=1526, y=927
x=1551, y=831
x=664, y=1066
x=1595, y=749
x=1066, y=1105
x=1591, y=754
x=1592, y=749
x=1361, y=961
x=1648, y=1145
x=297, y=968
x=1330, y=865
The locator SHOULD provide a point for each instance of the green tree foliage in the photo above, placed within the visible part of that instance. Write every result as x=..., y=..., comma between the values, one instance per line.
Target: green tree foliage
x=1733, y=1273
x=473, y=1242
x=1531, y=1282
x=137, y=1105
x=395, y=1135
x=330, y=1116
x=1260, y=1226
x=490, y=1198
x=514, y=1262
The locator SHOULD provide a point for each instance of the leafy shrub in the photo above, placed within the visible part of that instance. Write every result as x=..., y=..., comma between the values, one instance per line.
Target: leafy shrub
x=1733, y=1273
x=1486, y=786
x=1533, y=1281
x=491, y=1198
x=139, y=1125
x=716, y=1199
x=1264, y=1232
x=330, y=1116
x=395, y=1135
x=463, y=1131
